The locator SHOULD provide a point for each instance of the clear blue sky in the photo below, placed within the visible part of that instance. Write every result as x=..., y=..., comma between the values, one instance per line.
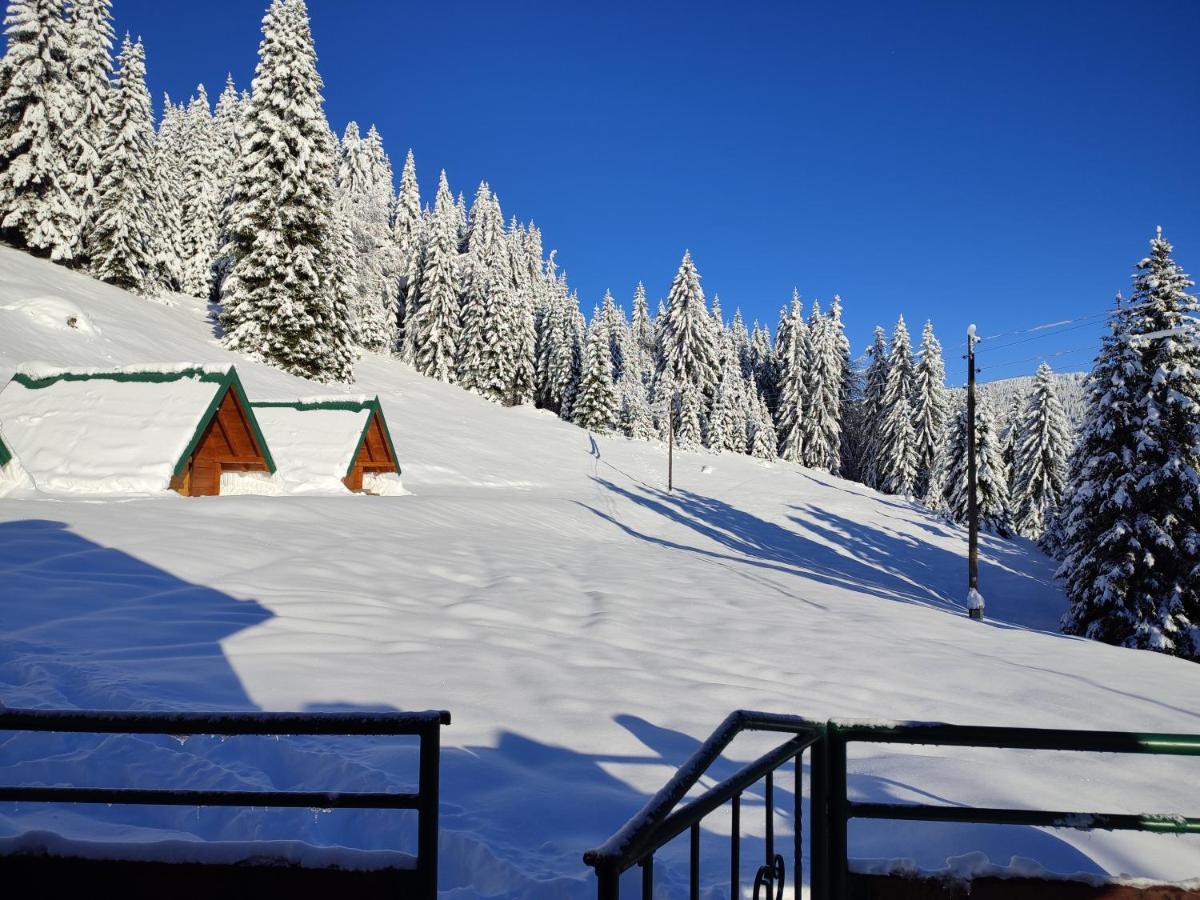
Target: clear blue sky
x=1001, y=162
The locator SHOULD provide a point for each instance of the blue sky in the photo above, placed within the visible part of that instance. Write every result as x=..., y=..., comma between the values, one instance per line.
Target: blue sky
x=1003, y=163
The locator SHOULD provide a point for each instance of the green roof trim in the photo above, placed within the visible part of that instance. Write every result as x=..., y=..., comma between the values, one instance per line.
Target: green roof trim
x=5, y=454
x=373, y=406
x=225, y=381
x=34, y=383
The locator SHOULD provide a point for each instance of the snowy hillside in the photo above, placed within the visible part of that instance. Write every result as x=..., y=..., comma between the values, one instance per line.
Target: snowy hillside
x=1002, y=393
x=585, y=628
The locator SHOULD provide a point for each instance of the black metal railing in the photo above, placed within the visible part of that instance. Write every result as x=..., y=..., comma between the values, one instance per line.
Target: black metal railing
x=838, y=735
x=830, y=809
x=660, y=822
x=424, y=725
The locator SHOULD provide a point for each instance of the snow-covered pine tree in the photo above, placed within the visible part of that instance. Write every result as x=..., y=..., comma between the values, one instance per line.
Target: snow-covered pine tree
x=226, y=127
x=596, y=405
x=896, y=450
x=433, y=327
x=406, y=232
x=1040, y=457
x=636, y=420
x=364, y=198
x=38, y=104
x=169, y=167
x=89, y=62
x=1132, y=533
x=930, y=407
x=519, y=332
x=763, y=439
x=201, y=197
x=284, y=297
x=740, y=340
x=643, y=335
x=687, y=335
x=823, y=435
x=726, y=423
x=690, y=425
x=1008, y=434
x=485, y=289
x=791, y=360
x=873, y=406
x=991, y=493
x=619, y=337
x=123, y=247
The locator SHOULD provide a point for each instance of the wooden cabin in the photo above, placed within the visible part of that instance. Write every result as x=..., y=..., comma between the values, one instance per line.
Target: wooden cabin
x=134, y=431
x=331, y=445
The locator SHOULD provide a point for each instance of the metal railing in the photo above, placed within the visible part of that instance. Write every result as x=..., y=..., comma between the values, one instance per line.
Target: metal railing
x=830, y=809
x=659, y=821
x=424, y=725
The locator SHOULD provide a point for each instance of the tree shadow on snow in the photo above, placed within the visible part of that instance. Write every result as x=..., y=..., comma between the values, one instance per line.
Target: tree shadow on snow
x=842, y=553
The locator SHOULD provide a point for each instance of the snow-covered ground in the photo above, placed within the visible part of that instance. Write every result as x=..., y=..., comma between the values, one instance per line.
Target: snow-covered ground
x=586, y=628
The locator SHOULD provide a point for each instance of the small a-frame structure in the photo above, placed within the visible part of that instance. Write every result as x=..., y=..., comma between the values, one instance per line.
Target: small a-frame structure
x=330, y=444
x=139, y=430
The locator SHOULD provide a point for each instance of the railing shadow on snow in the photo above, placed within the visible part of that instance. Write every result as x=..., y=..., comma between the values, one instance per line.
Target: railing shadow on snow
x=90, y=626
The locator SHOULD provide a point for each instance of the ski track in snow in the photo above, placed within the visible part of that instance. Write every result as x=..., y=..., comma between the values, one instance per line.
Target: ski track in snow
x=586, y=629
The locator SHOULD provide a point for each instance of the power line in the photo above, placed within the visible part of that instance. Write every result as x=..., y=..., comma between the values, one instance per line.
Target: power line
x=1039, y=357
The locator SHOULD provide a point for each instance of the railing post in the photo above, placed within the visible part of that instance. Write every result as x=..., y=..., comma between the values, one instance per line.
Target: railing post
x=735, y=850
x=427, y=824
x=819, y=829
x=798, y=827
x=608, y=882
x=838, y=839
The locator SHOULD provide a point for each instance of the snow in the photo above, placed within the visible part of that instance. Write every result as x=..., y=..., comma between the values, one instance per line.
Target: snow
x=974, y=599
x=586, y=628
x=74, y=436
x=55, y=313
x=312, y=448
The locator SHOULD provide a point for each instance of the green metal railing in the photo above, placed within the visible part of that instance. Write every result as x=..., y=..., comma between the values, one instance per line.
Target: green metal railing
x=830, y=809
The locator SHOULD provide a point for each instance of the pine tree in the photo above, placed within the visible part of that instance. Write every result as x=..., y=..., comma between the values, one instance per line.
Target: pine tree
x=433, y=327
x=226, y=127
x=726, y=428
x=689, y=417
x=406, y=231
x=169, y=167
x=930, y=407
x=873, y=406
x=481, y=352
x=1040, y=457
x=636, y=420
x=793, y=349
x=823, y=435
x=37, y=107
x=896, y=449
x=364, y=198
x=284, y=299
x=763, y=439
x=124, y=247
x=688, y=349
x=596, y=405
x=643, y=337
x=619, y=338
x=991, y=490
x=90, y=65
x=201, y=205
x=1132, y=531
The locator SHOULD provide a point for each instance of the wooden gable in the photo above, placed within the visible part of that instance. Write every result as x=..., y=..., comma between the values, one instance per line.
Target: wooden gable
x=374, y=453
x=227, y=444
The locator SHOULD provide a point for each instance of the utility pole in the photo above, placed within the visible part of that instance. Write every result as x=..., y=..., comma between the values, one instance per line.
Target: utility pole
x=974, y=598
x=670, y=444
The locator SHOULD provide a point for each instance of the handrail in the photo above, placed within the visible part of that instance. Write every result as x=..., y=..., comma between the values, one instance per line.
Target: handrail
x=425, y=725
x=662, y=819
x=621, y=847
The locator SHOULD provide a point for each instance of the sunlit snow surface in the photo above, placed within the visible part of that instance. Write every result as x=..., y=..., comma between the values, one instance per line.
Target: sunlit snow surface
x=585, y=628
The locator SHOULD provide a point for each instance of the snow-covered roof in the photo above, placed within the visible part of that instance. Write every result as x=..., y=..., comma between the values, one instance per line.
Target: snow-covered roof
x=316, y=439
x=113, y=430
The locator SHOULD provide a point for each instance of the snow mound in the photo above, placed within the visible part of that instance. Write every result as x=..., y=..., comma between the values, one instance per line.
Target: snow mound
x=55, y=313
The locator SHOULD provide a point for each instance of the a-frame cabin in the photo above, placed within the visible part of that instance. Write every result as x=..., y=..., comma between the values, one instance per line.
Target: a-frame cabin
x=138, y=430
x=330, y=445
